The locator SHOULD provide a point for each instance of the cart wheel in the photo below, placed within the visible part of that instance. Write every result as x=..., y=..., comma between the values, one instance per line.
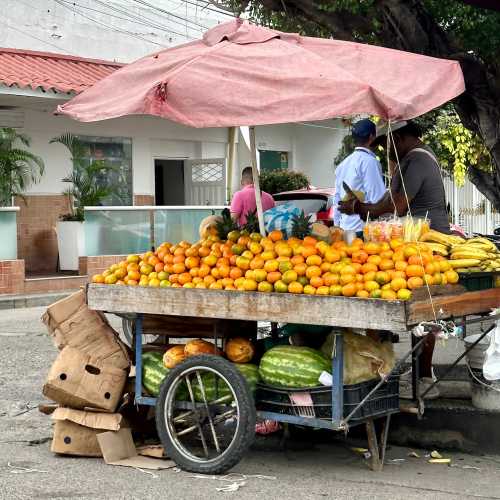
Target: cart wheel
x=205, y=415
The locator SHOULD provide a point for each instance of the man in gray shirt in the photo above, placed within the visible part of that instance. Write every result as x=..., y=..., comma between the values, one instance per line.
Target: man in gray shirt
x=422, y=191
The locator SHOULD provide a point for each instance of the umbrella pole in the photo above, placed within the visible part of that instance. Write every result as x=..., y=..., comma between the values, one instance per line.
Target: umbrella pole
x=231, y=156
x=255, y=173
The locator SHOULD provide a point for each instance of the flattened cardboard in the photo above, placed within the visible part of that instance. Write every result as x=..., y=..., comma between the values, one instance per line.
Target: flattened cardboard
x=118, y=448
x=79, y=381
x=75, y=432
x=63, y=309
x=151, y=450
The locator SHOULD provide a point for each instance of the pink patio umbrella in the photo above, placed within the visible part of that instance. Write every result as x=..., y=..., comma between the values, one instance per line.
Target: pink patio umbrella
x=242, y=74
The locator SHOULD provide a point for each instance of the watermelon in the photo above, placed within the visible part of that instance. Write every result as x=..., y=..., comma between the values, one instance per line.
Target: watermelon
x=293, y=366
x=153, y=372
x=249, y=371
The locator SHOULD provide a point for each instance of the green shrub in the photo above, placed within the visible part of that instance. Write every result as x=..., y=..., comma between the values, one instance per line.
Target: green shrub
x=277, y=181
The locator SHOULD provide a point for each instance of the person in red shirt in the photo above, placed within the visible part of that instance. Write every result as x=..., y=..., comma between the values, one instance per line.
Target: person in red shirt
x=243, y=201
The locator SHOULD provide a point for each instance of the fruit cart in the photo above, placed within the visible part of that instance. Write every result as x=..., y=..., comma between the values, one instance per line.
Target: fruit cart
x=209, y=434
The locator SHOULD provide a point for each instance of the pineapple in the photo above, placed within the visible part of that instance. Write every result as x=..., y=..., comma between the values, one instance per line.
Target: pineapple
x=226, y=225
x=252, y=223
x=301, y=225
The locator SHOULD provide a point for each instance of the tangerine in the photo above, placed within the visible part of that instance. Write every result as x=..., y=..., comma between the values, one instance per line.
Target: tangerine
x=309, y=290
x=369, y=267
x=275, y=235
x=398, y=284
x=386, y=264
x=323, y=290
x=300, y=269
x=414, y=270
x=389, y=295
x=362, y=294
x=316, y=281
x=415, y=282
x=404, y=294
x=313, y=271
x=295, y=287
x=99, y=278
x=349, y=290
x=273, y=276
x=336, y=290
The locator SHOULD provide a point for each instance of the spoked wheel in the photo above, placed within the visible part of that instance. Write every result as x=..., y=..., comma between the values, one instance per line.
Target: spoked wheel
x=205, y=415
x=128, y=333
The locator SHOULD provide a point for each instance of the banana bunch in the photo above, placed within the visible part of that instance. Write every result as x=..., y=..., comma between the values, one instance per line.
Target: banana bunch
x=475, y=255
x=446, y=240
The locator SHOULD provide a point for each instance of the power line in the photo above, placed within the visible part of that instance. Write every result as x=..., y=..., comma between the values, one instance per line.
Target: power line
x=163, y=11
x=34, y=37
x=125, y=32
x=212, y=9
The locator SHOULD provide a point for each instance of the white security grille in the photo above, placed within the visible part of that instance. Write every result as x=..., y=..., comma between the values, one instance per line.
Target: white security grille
x=207, y=172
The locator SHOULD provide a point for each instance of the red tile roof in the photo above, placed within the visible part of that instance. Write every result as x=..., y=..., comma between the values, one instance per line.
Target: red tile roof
x=48, y=71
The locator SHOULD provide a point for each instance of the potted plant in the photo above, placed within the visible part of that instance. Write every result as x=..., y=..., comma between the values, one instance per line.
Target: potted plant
x=84, y=190
x=18, y=168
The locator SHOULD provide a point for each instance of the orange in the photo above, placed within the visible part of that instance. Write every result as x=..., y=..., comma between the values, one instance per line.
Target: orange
x=204, y=270
x=313, y=271
x=314, y=260
x=238, y=283
x=316, y=281
x=295, y=287
x=452, y=276
x=178, y=268
x=120, y=273
x=285, y=266
x=336, y=290
x=200, y=285
x=400, y=265
x=208, y=280
x=203, y=251
x=308, y=251
x=349, y=290
x=213, y=286
x=396, y=243
x=271, y=265
x=404, y=294
x=215, y=272
x=389, y=295
x=371, y=285
x=398, y=284
x=410, y=251
x=147, y=269
x=303, y=280
x=376, y=294
x=265, y=286
x=184, y=278
x=235, y=273
x=159, y=267
x=358, y=242
x=415, y=282
x=348, y=269
x=331, y=279
x=438, y=258
x=356, y=266
x=300, y=269
x=267, y=244
x=310, y=241
x=275, y=235
x=190, y=252
x=227, y=282
x=222, y=262
x=283, y=250
x=154, y=283
x=257, y=263
x=332, y=256
x=325, y=267
x=322, y=247
x=369, y=267
x=224, y=271
x=178, y=259
x=323, y=290
x=192, y=262
x=242, y=263
x=399, y=257
x=173, y=278
x=437, y=278
x=386, y=264
x=360, y=286
x=133, y=266
x=248, y=255
x=132, y=275
x=250, y=274
x=369, y=276
x=210, y=260
x=273, y=276
x=250, y=285
x=297, y=259
x=260, y=275
x=382, y=277
x=387, y=254
x=280, y=287
x=374, y=259
x=197, y=280
x=152, y=261
x=309, y=290
x=362, y=294
x=243, y=241
x=398, y=274
x=99, y=278
x=347, y=278
x=255, y=247
x=298, y=250
x=133, y=259
x=360, y=278
x=133, y=283
x=430, y=268
x=360, y=256
x=414, y=270
x=289, y=277
x=268, y=255
x=444, y=265
x=371, y=248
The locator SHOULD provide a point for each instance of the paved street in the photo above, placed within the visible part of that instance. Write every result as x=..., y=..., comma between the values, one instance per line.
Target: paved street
x=332, y=470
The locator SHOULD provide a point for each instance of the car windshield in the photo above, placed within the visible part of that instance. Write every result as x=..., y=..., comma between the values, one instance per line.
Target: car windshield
x=308, y=205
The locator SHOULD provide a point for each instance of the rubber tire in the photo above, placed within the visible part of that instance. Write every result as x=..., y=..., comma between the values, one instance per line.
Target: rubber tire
x=246, y=431
x=128, y=336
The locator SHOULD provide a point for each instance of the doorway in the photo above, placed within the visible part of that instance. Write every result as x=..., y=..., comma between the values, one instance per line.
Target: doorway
x=169, y=182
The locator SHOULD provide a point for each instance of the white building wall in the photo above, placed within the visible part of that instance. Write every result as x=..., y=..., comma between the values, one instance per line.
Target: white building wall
x=120, y=30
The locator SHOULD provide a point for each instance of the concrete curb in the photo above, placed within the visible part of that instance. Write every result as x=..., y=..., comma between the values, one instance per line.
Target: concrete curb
x=33, y=300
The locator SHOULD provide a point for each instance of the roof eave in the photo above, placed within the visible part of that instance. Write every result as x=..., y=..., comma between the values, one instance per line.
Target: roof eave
x=27, y=91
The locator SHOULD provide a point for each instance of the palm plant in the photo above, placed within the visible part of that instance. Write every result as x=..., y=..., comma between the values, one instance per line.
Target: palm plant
x=85, y=189
x=19, y=168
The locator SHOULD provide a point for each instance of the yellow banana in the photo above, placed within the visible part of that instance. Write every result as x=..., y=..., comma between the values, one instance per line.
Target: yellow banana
x=470, y=254
x=459, y=263
x=437, y=237
x=438, y=248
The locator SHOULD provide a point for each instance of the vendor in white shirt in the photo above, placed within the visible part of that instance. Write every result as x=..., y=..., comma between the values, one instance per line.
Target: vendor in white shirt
x=362, y=172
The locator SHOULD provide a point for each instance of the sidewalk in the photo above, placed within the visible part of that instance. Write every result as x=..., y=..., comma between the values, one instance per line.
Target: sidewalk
x=32, y=300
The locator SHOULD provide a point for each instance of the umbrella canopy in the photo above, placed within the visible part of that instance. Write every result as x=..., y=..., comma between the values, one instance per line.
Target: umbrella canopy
x=243, y=74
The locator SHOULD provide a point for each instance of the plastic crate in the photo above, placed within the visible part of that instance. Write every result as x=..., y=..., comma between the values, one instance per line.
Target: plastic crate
x=478, y=281
x=384, y=400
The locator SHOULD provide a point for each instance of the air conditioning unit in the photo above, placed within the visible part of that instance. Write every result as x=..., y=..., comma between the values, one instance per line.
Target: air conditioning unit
x=11, y=117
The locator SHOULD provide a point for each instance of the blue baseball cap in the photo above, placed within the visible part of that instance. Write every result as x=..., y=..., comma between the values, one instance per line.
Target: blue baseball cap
x=364, y=128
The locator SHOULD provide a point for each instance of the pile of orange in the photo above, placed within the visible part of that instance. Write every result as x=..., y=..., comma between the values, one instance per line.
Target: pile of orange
x=249, y=262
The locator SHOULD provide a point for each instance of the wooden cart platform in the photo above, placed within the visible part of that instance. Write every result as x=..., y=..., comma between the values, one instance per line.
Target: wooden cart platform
x=397, y=316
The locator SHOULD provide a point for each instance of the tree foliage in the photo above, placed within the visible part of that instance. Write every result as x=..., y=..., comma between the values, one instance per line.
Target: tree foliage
x=440, y=28
x=19, y=168
x=280, y=180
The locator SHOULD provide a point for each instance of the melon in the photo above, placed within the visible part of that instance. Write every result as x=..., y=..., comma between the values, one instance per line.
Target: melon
x=239, y=350
x=174, y=356
x=293, y=366
x=153, y=372
x=198, y=346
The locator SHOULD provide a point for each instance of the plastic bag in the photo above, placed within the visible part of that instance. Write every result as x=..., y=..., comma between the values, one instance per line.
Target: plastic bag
x=491, y=366
x=281, y=217
x=364, y=358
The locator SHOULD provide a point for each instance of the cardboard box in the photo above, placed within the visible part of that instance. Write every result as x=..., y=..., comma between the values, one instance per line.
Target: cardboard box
x=75, y=432
x=71, y=323
x=80, y=381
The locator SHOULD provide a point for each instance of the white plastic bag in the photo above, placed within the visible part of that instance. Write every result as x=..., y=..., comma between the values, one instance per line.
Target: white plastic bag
x=491, y=366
